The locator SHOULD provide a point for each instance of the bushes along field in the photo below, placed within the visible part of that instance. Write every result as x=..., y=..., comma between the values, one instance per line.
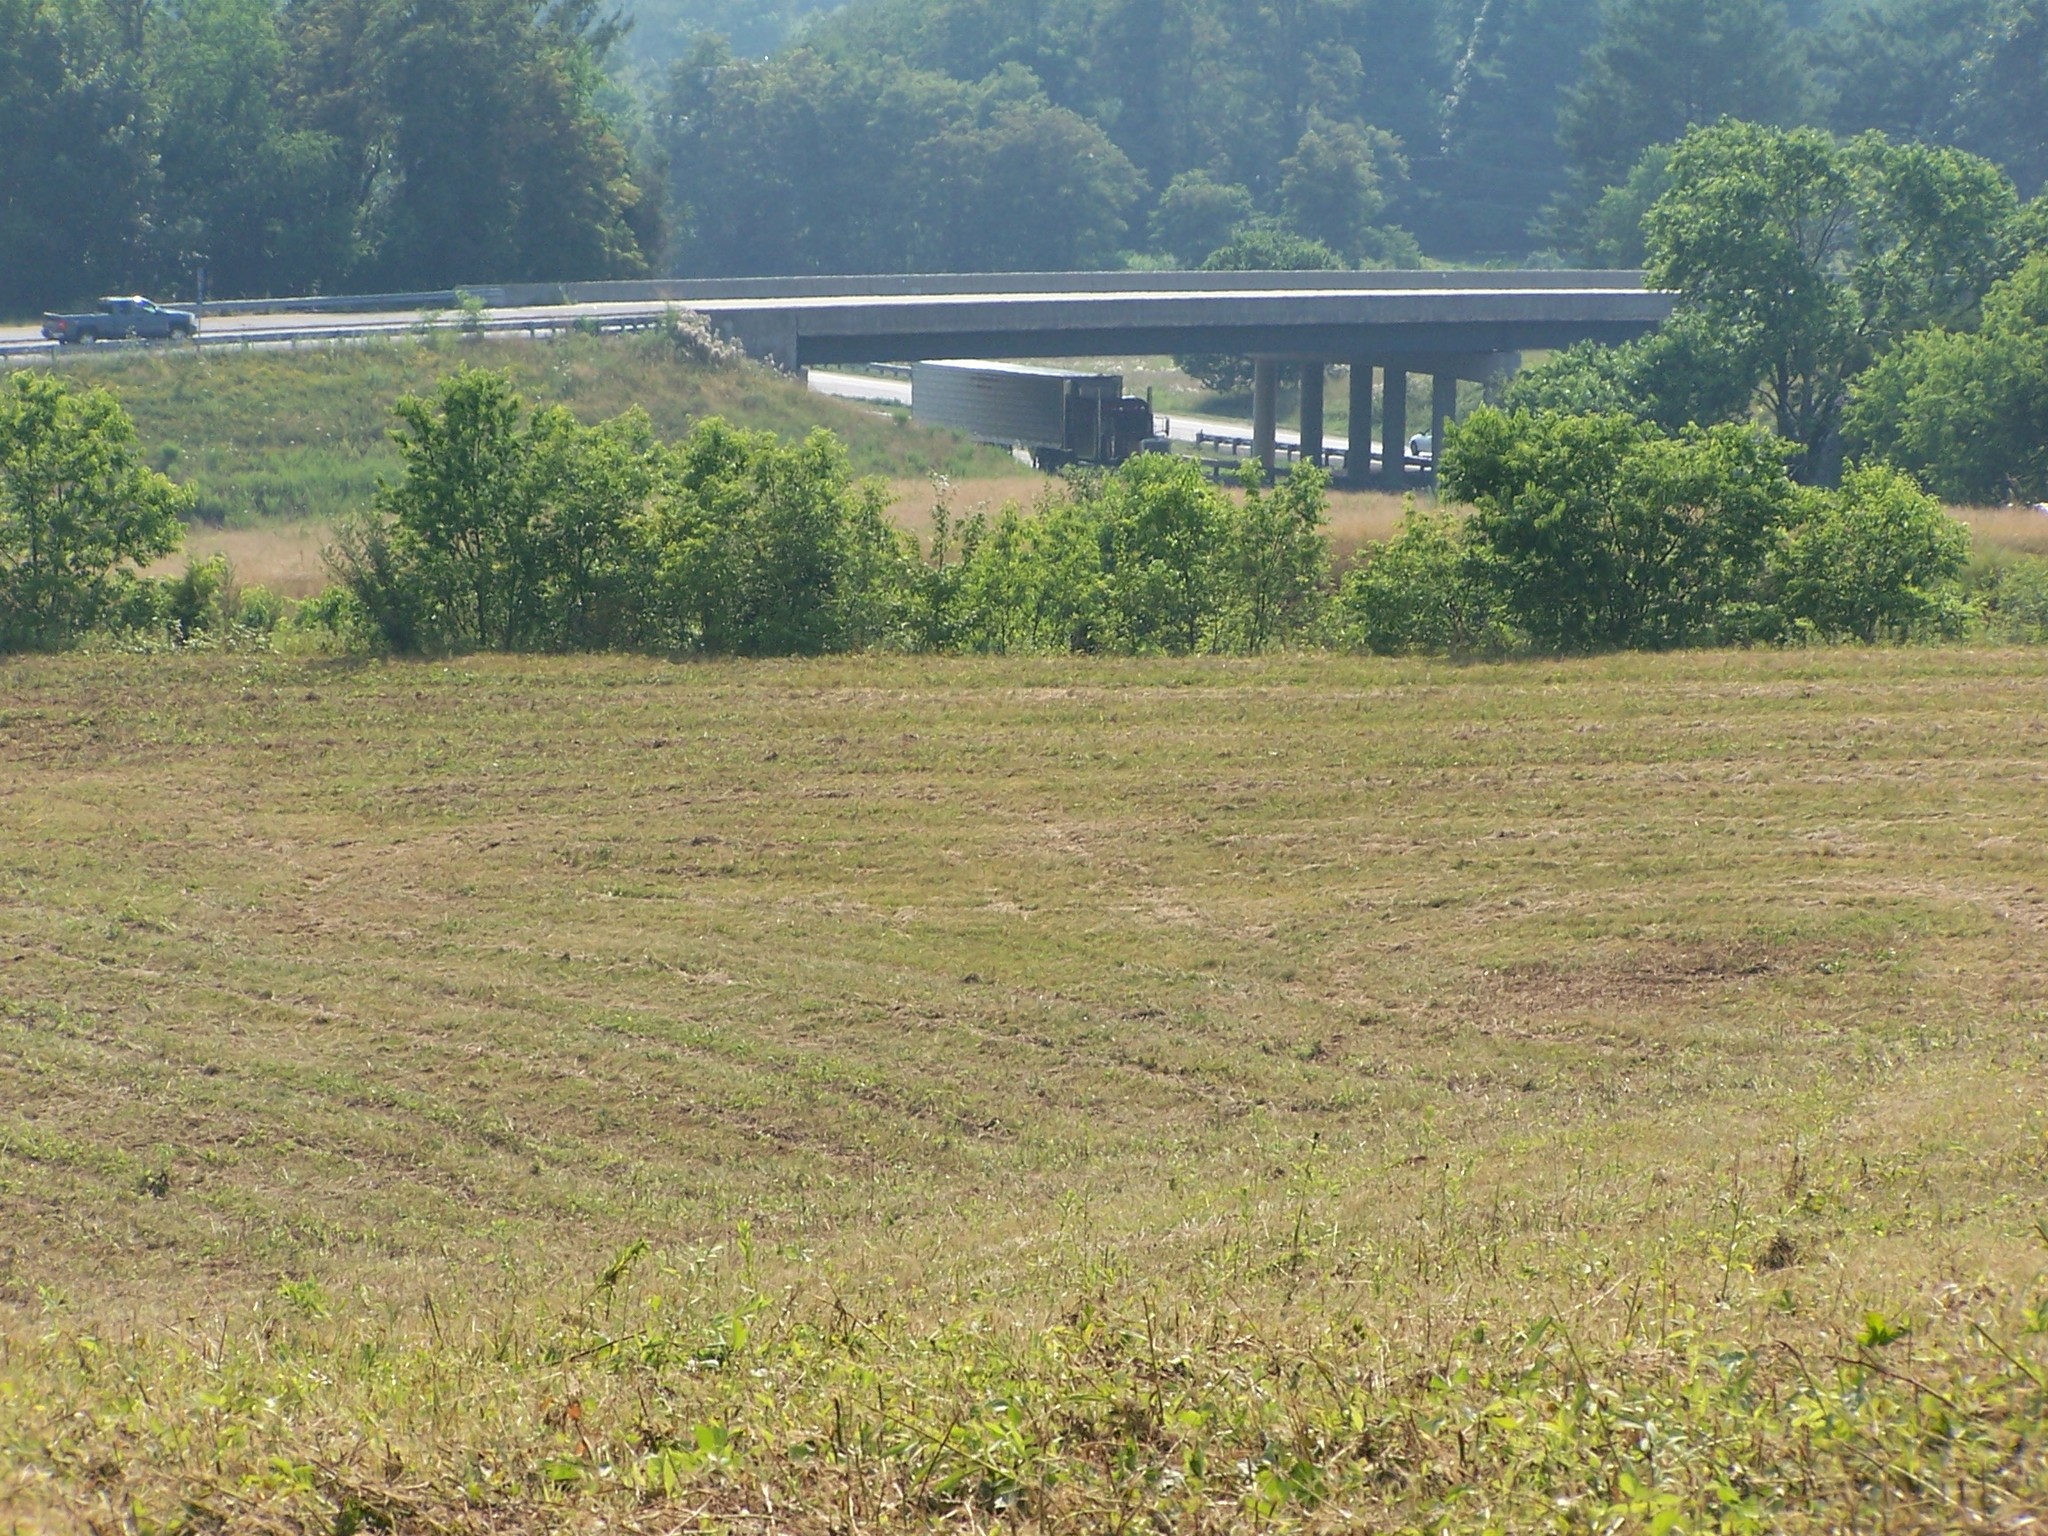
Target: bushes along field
x=1589, y=533
x=525, y=530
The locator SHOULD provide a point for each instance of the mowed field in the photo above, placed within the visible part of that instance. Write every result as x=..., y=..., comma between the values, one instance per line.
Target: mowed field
x=1062, y=1095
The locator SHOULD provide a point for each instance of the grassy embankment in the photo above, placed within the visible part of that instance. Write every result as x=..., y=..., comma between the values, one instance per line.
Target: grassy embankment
x=1310, y=1092
x=278, y=445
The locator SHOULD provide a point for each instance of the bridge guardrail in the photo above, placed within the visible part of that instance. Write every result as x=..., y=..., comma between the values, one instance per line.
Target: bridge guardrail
x=272, y=336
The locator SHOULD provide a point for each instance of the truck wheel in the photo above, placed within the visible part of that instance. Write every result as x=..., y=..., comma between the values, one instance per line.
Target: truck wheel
x=83, y=336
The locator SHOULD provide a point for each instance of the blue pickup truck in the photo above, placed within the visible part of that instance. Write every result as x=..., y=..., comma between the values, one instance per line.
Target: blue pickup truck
x=118, y=318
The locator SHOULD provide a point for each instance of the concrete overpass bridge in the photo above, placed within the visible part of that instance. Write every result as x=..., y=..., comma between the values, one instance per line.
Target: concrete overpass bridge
x=1448, y=325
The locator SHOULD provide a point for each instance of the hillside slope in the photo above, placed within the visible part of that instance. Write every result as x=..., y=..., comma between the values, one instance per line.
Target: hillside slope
x=269, y=436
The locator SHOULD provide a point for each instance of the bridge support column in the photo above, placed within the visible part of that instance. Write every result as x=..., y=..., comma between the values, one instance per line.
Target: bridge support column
x=1394, y=427
x=1312, y=413
x=1443, y=407
x=1358, y=462
x=1265, y=410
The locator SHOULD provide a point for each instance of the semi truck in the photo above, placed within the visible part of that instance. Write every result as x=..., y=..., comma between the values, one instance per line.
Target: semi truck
x=1059, y=417
x=132, y=315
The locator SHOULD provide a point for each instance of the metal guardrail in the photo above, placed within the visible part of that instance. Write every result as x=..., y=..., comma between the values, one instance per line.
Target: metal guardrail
x=292, y=336
x=685, y=290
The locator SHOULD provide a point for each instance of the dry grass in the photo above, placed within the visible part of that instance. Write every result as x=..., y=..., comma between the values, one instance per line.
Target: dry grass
x=285, y=557
x=2016, y=529
x=1297, y=1093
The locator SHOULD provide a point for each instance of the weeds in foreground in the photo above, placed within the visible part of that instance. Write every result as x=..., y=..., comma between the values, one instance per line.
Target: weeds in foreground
x=691, y=1392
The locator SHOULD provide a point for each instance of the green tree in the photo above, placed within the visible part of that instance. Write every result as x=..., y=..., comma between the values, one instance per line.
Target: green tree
x=495, y=163
x=1807, y=257
x=1330, y=191
x=1897, y=66
x=1197, y=214
x=460, y=512
x=1600, y=532
x=79, y=510
x=1613, y=232
x=1875, y=560
x=1931, y=228
x=1967, y=411
x=1753, y=233
x=1484, y=179
x=804, y=164
x=1257, y=248
x=2003, y=99
x=270, y=207
x=1687, y=372
x=77, y=175
x=1275, y=558
x=1660, y=67
x=1033, y=187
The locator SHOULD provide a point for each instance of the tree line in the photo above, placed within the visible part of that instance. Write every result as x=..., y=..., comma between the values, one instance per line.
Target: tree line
x=522, y=530
x=301, y=145
x=1867, y=298
x=317, y=145
x=1476, y=128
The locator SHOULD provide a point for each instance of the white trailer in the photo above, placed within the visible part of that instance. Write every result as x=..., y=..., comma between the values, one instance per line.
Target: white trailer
x=1061, y=417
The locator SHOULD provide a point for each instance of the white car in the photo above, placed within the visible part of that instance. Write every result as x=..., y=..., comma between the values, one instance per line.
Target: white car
x=1422, y=446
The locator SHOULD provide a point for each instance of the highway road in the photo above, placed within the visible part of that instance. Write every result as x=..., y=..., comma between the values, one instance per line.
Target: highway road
x=287, y=329
x=874, y=390
x=1464, y=324
x=280, y=330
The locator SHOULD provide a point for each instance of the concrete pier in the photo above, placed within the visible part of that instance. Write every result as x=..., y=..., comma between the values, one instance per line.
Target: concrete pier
x=1394, y=427
x=1358, y=467
x=1265, y=410
x=1443, y=408
x=1312, y=413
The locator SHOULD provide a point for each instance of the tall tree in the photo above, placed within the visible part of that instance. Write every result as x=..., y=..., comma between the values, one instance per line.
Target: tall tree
x=1808, y=258
x=1897, y=66
x=1492, y=167
x=1330, y=187
x=2003, y=104
x=267, y=205
x=802, y=165
x=498, y=167
x=1660, y=67
x=77, y=177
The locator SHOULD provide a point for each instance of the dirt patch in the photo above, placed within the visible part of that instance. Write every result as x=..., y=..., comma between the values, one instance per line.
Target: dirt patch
x=1648, y=976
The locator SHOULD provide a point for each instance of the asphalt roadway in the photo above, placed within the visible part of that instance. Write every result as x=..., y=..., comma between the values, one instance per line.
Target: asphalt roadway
x=1180, y=429
x=286, y=328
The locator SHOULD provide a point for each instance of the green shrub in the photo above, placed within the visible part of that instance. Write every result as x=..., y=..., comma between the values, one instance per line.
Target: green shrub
x=80, y=512
x=1419, y=594
x=1600, y=532
x=754, y=547
x=1275, y=560
x=1876, y=560
x=2012, y=600
x=262, y=611
x=334, y=617
x=200, y=601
